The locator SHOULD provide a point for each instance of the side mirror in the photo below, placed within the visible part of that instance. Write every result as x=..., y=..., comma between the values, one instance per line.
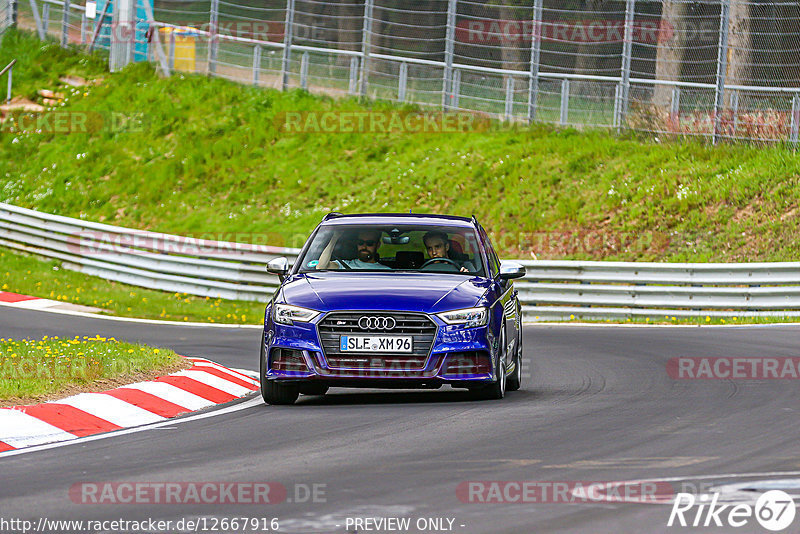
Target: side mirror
x=510, y=270
x=279, y=266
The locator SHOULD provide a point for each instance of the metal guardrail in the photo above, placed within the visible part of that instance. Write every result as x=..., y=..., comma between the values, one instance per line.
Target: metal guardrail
x=551, y=290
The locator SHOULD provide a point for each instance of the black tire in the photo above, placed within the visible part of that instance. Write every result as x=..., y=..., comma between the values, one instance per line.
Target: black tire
x=496, y=390
x=271, y=391
x=515, y=380
x=313, y=389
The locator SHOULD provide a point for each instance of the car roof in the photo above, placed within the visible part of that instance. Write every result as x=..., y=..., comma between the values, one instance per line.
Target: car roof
x=398, y=218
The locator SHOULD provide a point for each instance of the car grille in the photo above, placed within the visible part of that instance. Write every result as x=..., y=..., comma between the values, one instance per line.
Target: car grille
x=418, y=325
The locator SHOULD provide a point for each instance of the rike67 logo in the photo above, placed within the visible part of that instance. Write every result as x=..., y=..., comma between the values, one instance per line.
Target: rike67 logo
x=774, y=510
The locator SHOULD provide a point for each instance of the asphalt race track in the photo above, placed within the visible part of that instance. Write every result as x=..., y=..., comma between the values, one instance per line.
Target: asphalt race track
x=598, y=406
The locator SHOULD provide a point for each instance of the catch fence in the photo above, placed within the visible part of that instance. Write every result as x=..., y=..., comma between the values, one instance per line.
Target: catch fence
x=721, y=69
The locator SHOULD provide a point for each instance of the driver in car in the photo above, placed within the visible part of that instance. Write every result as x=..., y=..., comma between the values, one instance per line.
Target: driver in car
x=367, y=241
x=438, y=246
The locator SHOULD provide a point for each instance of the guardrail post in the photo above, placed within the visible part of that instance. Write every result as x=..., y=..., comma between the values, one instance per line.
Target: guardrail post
x=65, y=25
x=722, y=64
x=304, y=71
x=287, y=44
x=401, y=85
x=508, y=112
x=366, y=43
x=564, y=117
x=536, y=48
x=256, y=63
x=627, y=51
x=449, y=44
x=353, y=85
x=675, y=108
x=795, y=119
x=213, y=38
x=735, y=110
x=456, y=87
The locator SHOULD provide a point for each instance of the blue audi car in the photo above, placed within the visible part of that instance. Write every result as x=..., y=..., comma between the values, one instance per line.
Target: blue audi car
x=393, y=301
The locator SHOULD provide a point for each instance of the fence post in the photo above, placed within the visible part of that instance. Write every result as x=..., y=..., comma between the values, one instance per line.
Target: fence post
x=675, y=108
x=366, y=43
x=256, y=63
x=508, y=112
x=10, y=78
x=617, y=99
x=627, y=51
x=449, y=45
x=213, y=38
x=84, y=21
x=722, y=64
x=12, y=6
x=564, y=117
x=287, y=44
x=402, y=83
x=38, y=20
x=735, y=110
x=123, y=21
x=795, y=119
x=171, y=54
x=353, y=85
x=45, y=17
x=65, y=25
x=536, y=48
x=304, y=71
x=456, y=87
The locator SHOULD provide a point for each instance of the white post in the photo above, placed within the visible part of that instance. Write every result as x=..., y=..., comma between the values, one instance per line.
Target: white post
x=366, y=42
x=213, y=38
x=536, y=48
x=287, y=44
x=722, y=64
x=449, y=45
x=65, y=24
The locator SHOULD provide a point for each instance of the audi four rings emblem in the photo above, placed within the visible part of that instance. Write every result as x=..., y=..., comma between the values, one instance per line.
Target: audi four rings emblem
x=377, y=323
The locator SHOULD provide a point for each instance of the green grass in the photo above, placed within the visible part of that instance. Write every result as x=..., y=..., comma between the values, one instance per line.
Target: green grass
x=29, y=275
x=34, y=370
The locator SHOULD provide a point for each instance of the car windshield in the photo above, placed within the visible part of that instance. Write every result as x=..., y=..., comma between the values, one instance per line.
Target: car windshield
x=443, y=249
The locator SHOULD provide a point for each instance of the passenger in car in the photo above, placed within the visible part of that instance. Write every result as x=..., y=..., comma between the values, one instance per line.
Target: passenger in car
x=367, y=243
x=437, y=243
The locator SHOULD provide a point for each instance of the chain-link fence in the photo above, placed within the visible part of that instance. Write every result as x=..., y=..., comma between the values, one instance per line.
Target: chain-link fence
x=7, y=13
x=722, y=69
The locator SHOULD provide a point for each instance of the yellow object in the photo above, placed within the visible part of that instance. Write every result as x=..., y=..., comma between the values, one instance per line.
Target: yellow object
x=184, y=52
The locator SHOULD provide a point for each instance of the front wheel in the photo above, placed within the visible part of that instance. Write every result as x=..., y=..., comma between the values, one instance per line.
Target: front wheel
x=515, y=380
x=271, y=391
x=497, y=389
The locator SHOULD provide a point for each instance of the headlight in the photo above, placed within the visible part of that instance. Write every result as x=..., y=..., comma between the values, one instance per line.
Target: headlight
x=287, y=314
x=469, y=317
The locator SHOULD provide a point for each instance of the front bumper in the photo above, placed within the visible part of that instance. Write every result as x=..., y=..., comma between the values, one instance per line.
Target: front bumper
x=460, y=357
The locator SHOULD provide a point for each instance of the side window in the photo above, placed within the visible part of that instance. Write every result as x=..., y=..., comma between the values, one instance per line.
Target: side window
x=494, y=262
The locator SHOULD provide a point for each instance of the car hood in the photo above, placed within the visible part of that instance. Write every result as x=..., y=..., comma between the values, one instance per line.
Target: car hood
x=423, y=292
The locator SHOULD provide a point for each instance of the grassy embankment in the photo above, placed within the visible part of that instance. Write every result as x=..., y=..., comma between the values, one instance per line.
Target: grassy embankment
x=209, y=158
x=37, y=370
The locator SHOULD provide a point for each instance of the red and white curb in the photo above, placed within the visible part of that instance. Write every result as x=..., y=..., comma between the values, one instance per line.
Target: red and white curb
x=204, y=384
x=36, y=303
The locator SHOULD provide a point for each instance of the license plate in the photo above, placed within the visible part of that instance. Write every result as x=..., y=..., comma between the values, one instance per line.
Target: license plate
x=376, y=343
